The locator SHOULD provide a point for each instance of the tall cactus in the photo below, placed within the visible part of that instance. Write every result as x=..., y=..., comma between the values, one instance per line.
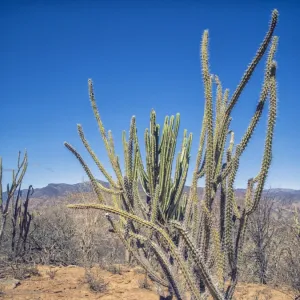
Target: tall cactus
x=17, y=178
x=187, y=242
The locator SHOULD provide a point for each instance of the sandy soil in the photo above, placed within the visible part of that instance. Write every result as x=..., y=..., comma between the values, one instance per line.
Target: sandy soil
x=69, y=283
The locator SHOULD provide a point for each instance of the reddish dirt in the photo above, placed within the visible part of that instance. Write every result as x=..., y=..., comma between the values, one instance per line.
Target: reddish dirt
x=68, y=283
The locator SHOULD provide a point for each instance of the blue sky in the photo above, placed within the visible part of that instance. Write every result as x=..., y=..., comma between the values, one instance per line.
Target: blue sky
x=140, y=55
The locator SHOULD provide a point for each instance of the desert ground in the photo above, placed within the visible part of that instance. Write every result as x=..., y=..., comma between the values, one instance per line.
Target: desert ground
x=54, y=283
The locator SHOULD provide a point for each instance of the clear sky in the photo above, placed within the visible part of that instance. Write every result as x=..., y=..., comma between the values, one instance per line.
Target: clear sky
x=140, y=55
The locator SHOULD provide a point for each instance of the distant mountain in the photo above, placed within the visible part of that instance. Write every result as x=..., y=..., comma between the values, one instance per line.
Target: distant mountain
x=53, y=190
x=60, y=190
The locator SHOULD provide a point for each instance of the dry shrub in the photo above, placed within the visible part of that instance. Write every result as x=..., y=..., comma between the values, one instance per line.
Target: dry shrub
x=53, y=239
x=62, y=237
x=95, y=281
x=113, y=268
x=22, y=271
x=272, y=247
x=139, y=270
x=58, y=236
x=51, y=273
x=144, y=283
x=2, y=293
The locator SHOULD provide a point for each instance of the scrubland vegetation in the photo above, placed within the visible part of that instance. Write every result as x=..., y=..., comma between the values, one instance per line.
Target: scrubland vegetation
x=187, y=245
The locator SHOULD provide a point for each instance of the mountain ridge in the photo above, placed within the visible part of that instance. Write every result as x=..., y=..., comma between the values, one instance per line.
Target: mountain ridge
x=58, y=190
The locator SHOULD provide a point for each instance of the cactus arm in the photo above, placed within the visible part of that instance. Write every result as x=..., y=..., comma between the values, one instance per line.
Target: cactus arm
x=259, y=54
x=113, y=159
x=141, y=261
x=95, y=158
x=199, y=260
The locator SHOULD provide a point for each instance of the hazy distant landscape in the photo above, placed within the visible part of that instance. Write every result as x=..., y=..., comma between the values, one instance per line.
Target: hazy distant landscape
x=53, y=192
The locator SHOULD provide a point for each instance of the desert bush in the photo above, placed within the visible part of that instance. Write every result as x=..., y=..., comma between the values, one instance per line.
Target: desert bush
x=19, y=270
x=260, y=243
x=51, y=273
x=94, y=241
x=95, y=281
x=144, y=283
x=2, y=293
x=60, y=238
x=287, y=266
x=272, y=246
x=53, y=238
x=112, y=268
